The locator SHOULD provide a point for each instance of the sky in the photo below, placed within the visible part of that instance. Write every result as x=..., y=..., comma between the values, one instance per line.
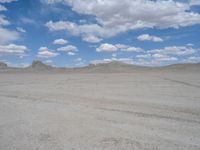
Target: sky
x=74, y=33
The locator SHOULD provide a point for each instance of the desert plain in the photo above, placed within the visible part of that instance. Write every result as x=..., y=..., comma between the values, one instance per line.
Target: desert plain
x=91, y=109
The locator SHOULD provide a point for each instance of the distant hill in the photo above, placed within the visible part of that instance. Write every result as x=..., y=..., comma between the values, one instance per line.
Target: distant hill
x=111, y=67
x=3, y=65
x=39, y=66
x=114, y=66
x=182, y=67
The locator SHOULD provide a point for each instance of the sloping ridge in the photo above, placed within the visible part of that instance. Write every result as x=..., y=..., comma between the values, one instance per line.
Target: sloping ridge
x=114, y=66
x=183, y=67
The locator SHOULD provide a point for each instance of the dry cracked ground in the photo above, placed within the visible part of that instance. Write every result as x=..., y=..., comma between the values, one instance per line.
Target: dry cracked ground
x=100, y=111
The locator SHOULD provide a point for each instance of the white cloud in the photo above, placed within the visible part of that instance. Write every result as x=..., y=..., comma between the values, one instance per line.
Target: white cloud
x=79, y=59
x=175, y=50
x=106, y=48
x=168, y=55
x=100, y=61
x=92, y=38
x=157, y=57
x=114, y=17
x=147, y=37
x=68, y=48
x=7, y=1
x=79, y=62
x=144, y=56
x=71, y=53
x=193, y=59
x=194, y=2
x=3, y=21
x=13, y=49
x=190, y=45
x=133, y=49
x=56, y=26
x=113, y=48
x=60, y=42
x=7, y=36
x=161, y=57
x=123, y=60
x=2, y=8
x=122, y=46
x=88, y=32
x=20, y=29
x=44, y=52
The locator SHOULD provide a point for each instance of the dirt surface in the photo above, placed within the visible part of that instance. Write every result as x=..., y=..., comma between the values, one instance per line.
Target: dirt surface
x=100, y=111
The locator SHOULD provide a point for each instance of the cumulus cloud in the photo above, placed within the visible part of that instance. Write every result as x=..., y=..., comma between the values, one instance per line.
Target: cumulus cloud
x=60, y=42
x=173, y=54
x=156, y=61
x=44, y=52
x=79, y=59
x=3, y=21
x=193, y=59
x=79, y=62
x=89, y=32
x=161, y=57
x=100, y=61
x=7, y=36
x=20, y=29
x=13, y=49
x=122, y=46
x=114, y=17
x=169, y=55
x=144, y=56
x=91, y=38
x=68, y=48
x=133, y=49
x=108, y=60
x=2, y=8
x=157, y=57
x=71, y=53
x=194, y=2
x=147, y=37
x=175, y=50
x=106, y=47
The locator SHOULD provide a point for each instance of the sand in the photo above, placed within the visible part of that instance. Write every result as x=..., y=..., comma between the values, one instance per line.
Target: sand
x=142, y=110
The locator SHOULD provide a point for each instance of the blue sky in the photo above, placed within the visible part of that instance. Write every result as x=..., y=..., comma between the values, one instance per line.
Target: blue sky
x=80, y=32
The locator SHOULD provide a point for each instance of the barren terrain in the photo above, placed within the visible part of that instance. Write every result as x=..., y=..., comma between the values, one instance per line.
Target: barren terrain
x=143, y=110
